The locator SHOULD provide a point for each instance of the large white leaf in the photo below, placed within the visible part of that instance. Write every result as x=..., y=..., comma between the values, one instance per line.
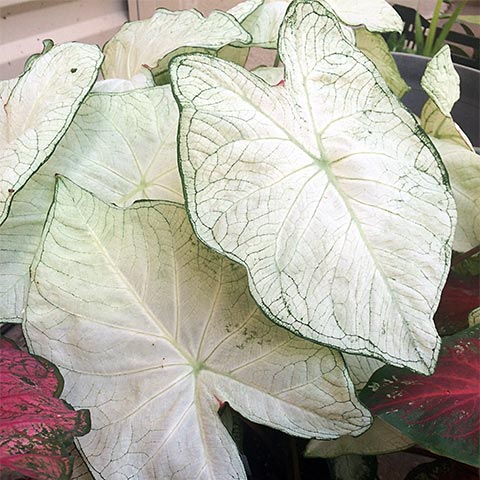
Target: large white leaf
x=326, y=189
x=38, y=109
x=122, y=147
x=375, y=15
x=153, y=331
x=151, y=42
x=463, y=167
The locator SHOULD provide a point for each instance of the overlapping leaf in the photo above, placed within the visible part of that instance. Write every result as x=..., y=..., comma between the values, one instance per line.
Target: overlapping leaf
x=37, y=110
x=153, y=331
x=326, y=190
x=152, y=42
x=441, y=82
x=376, y=15
x=440, y=412
x=376, y=49
x=36, y=428
x=122, y=147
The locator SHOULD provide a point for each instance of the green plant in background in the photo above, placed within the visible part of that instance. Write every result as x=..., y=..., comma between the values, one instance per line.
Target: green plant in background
x=430, y=45
x=429, y=36
x=307, y=197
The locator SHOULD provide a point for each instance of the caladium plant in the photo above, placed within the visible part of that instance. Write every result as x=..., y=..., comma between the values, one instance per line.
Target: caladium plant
x=318, y=203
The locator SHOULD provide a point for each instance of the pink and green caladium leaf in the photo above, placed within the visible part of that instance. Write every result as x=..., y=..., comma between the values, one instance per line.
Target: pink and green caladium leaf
x=153, y=331
x=151, y=43
x=326, y=189
x=122, y=146
x=440, y=412
x=36, y=428
x=37, y=109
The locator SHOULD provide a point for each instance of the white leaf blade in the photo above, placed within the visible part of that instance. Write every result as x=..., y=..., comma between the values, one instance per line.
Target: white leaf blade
x=463, y=167
x=375, y=15
x=277, y=145
x=104, y=153
x=122, y=146
x=376, y=49
x=151, y=260
x=39, y=109
x=147, y=42
x=441, y=81
x=19, y=239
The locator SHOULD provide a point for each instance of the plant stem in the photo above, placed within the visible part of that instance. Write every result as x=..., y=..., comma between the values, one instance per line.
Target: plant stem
x=432, y=29
x=294, y=457
x=460, y=257
x=447, y=27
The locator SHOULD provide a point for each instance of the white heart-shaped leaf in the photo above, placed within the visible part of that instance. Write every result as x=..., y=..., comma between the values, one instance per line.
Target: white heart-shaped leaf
x=326, y=189
x=151, y=42
x=153, y=331
x=122, y=147
x=38, y=109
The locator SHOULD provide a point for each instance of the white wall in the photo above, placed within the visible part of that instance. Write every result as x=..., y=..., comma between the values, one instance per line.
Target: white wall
x=24, y=24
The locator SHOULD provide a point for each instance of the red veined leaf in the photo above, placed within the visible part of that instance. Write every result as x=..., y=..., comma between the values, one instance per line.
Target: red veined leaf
x=459, y=298
x=36, y=428
x=439, y=412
